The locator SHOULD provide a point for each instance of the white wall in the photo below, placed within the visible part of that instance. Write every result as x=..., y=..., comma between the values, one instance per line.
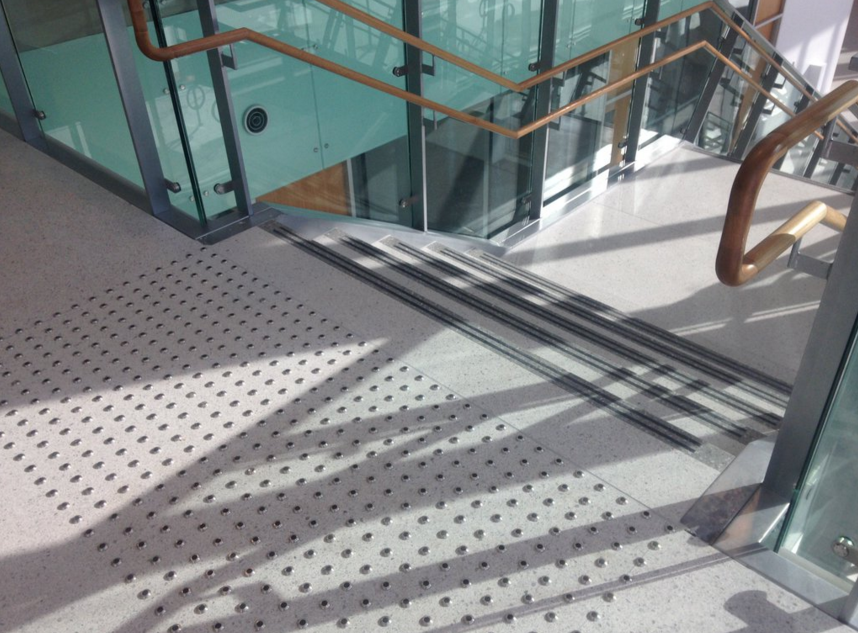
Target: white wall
x=811, y=36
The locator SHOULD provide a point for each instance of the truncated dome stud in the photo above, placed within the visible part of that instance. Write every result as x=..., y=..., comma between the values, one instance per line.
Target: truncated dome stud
x=261, y=468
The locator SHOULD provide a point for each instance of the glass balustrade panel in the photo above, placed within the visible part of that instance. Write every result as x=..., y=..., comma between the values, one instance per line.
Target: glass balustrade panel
x=479, y=182
x=64, y=57
x=328, y=144
x=674, y=90
x=822, y=527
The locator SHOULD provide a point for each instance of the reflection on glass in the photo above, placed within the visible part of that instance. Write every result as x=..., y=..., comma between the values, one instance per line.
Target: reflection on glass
x=586, y=142
x=199, y=112
x=479, y=182
x=587, y=24
x=825, y=508
x=674, y=91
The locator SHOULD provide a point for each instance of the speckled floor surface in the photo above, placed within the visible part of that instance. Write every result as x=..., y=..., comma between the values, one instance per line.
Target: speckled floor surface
x=239, y=439
x=648, y=248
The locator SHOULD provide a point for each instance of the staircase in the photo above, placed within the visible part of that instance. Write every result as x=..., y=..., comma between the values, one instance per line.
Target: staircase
x=692, y=399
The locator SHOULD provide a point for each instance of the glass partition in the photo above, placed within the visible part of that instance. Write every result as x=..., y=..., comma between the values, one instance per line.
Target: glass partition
x=64, y=57
x=480, y=182
x=674, y=91
x=321, y=143
x=583, y=25
x=588, y=141
x=181, y=93
x=311, y=139
x=822, y=527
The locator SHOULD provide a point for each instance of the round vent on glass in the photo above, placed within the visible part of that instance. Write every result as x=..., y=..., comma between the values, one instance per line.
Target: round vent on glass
x=255, y=120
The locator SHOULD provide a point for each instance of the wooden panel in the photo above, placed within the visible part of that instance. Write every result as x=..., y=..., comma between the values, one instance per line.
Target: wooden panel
x=768, y=9
x=768, y=30
x=623, y=63
x=326, y=191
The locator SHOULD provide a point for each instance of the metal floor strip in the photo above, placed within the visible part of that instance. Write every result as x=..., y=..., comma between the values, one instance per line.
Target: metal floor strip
x=662, y=341
x=613, y=346
x=666, y=431
x=621, y=375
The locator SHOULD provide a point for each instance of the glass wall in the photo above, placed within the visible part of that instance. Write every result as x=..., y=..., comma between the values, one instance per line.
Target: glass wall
x=180, y=98
x=823, y=522
x=320, y=143
x=309, y=139
x=480, y=182
x=64, y=57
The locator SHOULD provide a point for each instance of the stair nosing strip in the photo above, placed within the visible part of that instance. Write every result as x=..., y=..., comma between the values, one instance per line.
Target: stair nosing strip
x=667, y=432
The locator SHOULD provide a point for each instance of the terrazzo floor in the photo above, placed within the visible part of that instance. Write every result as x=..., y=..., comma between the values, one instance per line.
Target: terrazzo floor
x=231, y=438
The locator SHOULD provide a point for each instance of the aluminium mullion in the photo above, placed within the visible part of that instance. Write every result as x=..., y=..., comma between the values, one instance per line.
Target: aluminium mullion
x=134, y=105
x=419, y=200
x=16, y=86
x=226, y=111
x=538, y=140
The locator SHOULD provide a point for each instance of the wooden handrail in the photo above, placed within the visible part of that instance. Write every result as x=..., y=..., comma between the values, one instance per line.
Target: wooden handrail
x=735, y=267
x=162, y=54
x=709, y=5
x=771, y=60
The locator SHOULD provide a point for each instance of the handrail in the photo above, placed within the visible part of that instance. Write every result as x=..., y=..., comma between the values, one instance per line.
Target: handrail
x=735, y=267
x=219, y=40
x=426, y=47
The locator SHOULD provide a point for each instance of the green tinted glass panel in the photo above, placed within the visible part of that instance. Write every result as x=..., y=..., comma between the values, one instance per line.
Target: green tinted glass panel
x=473, y=30
x=198, y=108
x=668, y=8
x=330, y=144
x=368, y=118
x=825, y=510
x=479, y=182
x=65, y=60
x=162, y=115
x=583, y=25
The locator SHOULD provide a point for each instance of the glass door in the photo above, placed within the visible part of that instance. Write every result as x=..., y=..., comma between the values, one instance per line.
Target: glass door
x=821, y=530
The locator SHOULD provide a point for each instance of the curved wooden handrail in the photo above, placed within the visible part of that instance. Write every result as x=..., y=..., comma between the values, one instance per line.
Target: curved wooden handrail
x=733, y=265
x=163, y=54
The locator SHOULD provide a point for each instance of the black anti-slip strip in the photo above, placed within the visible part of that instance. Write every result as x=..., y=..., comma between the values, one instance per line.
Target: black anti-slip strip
x=678, y=403
x=608, y=343
x=592, y=394
x=683, y=350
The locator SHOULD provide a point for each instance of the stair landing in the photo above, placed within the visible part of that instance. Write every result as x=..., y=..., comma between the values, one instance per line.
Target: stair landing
x=241, y=439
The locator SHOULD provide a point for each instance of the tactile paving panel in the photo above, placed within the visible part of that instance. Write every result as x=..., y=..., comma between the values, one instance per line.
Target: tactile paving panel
x=225, y=459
